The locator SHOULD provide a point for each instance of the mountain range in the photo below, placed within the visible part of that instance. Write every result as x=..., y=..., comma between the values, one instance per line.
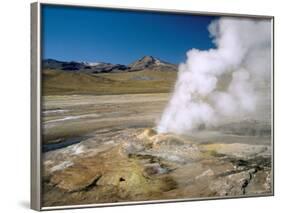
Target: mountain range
x=145, y=63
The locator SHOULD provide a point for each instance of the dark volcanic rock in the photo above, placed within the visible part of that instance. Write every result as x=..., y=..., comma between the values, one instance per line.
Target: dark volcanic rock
x=147, y=62
x=72, y=66
x=52, y=64
x=83, y=66
x=107, y=67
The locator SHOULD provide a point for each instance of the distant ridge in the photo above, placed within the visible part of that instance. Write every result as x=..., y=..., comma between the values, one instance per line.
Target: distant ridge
x=145, y=63
x=150, y=62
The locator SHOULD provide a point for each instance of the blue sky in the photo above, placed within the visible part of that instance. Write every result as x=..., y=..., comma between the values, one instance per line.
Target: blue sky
x=119, y=36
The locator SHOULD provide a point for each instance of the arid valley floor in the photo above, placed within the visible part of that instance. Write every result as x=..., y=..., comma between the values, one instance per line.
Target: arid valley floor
x=101, y=149
x=100, y=144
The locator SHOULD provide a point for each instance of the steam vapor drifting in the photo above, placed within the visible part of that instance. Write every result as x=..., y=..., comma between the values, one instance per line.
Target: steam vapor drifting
x=223, y=83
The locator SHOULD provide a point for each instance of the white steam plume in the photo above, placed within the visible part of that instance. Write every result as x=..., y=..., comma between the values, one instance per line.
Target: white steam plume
x=223, y=83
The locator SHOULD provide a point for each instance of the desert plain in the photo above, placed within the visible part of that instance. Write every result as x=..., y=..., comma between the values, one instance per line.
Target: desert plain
x=100, y=144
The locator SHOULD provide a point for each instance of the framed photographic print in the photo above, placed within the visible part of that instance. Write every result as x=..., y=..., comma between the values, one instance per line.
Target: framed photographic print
x=138, y=105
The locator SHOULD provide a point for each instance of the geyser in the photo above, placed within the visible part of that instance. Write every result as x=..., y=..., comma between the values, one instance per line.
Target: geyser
x=230, y=82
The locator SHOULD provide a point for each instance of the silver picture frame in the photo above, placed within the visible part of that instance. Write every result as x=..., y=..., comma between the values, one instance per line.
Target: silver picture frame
x=36, y=102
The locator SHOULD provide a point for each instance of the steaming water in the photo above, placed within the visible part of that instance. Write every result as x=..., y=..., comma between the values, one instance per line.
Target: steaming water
x=228, y=84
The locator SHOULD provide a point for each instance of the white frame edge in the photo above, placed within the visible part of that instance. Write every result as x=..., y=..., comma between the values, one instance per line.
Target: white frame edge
x=36, y=162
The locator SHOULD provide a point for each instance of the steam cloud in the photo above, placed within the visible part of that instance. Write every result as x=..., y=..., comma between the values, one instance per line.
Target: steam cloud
x=229, y=82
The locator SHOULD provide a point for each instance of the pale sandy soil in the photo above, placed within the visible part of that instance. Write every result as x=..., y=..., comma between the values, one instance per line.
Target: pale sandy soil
x=100, y=149
x=73, y=115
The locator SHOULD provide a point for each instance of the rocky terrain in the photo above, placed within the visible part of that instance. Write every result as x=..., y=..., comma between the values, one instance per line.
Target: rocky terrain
x=138, y=165
x=146, y=75
x=100, y=146
x=103, y=149
x=149, y=62
x=146, y=62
